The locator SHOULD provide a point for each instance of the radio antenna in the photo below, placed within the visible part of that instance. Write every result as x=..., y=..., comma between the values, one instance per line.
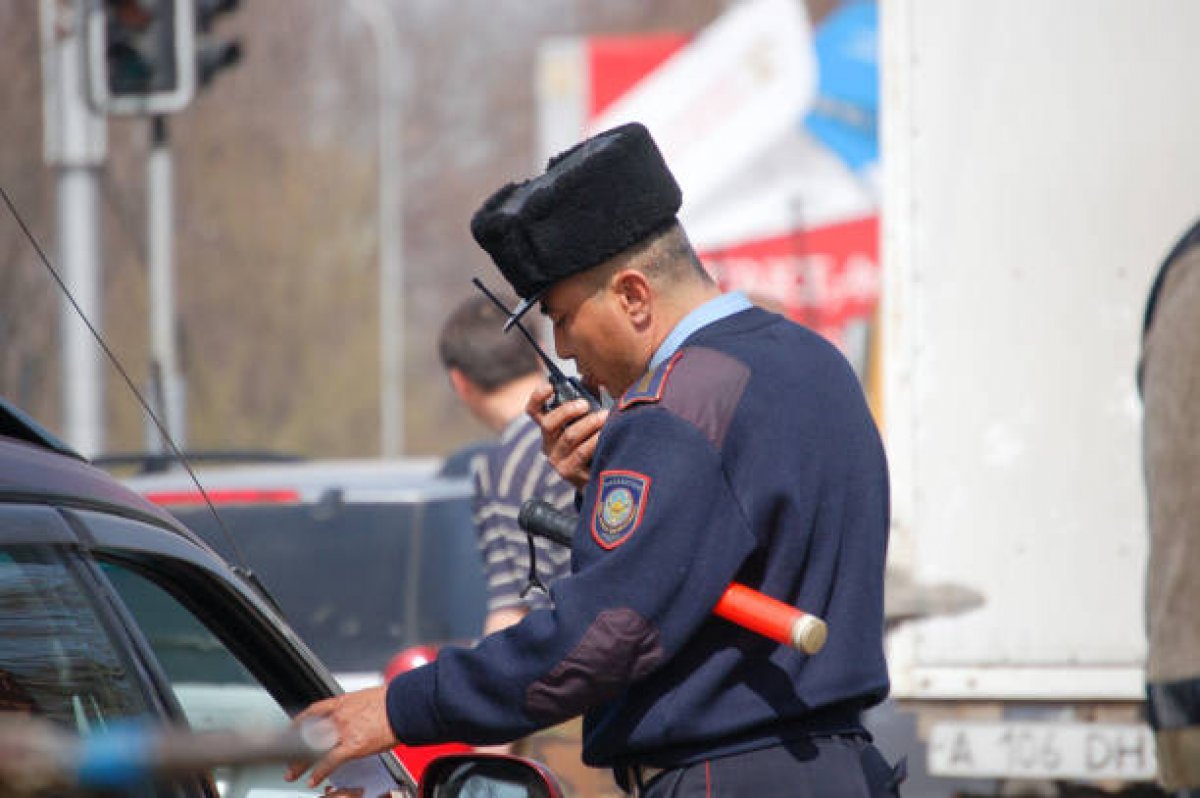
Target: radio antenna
x=550, y=364
x=162, y=430
x=565, y=388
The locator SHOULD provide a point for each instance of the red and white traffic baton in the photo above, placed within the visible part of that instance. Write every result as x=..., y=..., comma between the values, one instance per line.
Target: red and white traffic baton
x=772, y=618
x=741, y=605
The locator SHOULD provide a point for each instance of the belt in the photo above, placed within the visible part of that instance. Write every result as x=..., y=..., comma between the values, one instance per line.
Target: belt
x=633, y=779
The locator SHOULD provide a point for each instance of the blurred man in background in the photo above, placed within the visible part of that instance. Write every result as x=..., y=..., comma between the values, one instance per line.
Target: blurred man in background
x=493, y=374
x=1169, y=377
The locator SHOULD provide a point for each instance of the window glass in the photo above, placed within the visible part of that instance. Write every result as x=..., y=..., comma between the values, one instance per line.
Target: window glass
x=57, y=661
x=360, y=581
x=214, y=690
x=217, y=692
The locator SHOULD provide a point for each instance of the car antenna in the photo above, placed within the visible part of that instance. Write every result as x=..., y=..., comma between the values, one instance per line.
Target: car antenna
x=565, y=388
x=242, y=565
x=550, y=364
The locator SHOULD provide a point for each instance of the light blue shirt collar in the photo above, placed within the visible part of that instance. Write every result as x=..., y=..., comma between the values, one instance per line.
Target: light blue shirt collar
x=713, y=310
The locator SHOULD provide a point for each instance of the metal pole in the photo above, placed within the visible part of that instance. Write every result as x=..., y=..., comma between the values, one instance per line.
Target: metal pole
x=391, y=275
x=160, y=192
x=79, y=261
x=75, y=143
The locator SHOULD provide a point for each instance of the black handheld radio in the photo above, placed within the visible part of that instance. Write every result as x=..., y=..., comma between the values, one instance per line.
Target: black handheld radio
x=565, y=388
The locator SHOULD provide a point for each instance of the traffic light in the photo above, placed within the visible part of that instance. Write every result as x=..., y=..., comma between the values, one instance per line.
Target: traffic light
x=141, y=55
x=212, y=55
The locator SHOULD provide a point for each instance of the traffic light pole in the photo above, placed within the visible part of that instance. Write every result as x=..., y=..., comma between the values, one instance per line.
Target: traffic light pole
x=390, y=222
x=168, y=381
x=75, y=144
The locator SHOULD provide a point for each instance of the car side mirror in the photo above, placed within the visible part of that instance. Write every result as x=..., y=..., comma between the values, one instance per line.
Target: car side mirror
x=487, y=776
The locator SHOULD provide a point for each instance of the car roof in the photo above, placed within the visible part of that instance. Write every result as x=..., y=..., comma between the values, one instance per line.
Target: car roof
x=39, y=473
x=36, y=466
x=16, y=424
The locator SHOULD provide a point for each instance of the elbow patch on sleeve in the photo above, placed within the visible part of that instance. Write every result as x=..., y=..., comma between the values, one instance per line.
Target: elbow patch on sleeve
x=618, y=648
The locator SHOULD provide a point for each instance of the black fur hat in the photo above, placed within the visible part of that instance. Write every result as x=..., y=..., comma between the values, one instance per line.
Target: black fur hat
x=596, y=199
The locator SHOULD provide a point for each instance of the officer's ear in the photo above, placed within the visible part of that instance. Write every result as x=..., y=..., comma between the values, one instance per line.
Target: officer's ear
x=633, y=292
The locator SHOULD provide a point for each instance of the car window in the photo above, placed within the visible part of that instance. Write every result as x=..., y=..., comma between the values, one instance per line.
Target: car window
x=214, y=690
x=227, y=665
x=360, y=581
x=57, y=661
x=211, y=685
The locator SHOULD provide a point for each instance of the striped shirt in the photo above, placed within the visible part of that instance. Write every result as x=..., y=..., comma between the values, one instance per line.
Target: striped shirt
x=505, y=475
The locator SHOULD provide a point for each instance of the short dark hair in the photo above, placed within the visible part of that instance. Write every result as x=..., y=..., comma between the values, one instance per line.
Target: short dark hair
x=667, y=257
x=474, y=342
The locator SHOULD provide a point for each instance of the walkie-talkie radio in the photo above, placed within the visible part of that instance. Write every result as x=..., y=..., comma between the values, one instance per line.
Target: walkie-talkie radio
x=565, y=388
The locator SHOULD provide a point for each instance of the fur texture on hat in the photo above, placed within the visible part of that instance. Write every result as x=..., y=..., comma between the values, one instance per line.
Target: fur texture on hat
x=595, y=200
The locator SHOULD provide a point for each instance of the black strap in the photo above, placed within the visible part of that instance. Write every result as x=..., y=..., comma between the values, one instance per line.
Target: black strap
x=533, y=580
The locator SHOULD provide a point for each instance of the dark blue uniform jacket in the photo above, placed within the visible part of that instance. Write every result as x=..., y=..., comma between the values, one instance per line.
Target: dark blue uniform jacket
x=749, y=456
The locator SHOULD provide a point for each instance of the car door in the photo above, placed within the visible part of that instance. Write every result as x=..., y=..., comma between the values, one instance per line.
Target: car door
x=208, y=651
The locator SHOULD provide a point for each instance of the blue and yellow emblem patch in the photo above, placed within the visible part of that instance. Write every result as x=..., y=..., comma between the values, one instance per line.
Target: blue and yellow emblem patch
x=620, y=503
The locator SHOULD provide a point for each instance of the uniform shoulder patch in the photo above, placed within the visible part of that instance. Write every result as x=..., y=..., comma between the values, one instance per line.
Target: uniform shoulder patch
x=651, y=385
x=620, y=504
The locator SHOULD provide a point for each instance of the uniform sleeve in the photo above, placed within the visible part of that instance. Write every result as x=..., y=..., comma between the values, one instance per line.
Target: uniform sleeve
x=660, y=537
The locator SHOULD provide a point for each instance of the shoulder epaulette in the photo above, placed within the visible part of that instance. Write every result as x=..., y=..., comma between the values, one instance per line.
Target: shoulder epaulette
x=649, y=388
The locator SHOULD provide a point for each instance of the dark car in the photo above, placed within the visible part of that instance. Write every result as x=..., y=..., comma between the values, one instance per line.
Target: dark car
x=112, y=611
x=365, y=558
x=373, y=562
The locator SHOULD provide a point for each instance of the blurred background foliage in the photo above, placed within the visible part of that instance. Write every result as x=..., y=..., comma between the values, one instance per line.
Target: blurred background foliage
x=275, y=214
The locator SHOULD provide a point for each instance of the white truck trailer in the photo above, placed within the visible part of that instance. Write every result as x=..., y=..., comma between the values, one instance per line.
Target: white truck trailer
x=1039, y=160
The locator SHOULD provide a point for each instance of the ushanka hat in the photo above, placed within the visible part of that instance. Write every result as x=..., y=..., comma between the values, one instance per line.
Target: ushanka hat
x=594, y=200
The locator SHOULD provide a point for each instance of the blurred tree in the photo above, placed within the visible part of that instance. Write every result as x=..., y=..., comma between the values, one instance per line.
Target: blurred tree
x=276, y=239
x=28, y=299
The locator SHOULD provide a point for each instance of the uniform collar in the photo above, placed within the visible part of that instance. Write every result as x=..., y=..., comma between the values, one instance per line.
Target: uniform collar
x=713, y=310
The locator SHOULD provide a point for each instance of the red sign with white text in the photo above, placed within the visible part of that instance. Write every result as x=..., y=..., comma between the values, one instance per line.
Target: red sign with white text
x=824, y=277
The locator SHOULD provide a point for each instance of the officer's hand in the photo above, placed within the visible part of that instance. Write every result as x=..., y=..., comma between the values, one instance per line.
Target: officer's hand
x=361, y=722
x=569, y=434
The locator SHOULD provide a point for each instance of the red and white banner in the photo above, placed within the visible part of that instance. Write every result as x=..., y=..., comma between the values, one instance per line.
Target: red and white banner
x=824, y=278
x=769, y=209
x=744, y=81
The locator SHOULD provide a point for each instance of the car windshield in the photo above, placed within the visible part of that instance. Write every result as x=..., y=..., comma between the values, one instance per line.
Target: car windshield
x=360, y=581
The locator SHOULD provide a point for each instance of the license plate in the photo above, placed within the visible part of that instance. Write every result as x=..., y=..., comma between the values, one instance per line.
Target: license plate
x=1042, y=750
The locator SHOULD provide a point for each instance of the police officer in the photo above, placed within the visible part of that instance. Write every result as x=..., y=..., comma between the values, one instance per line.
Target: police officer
x=741, y=448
